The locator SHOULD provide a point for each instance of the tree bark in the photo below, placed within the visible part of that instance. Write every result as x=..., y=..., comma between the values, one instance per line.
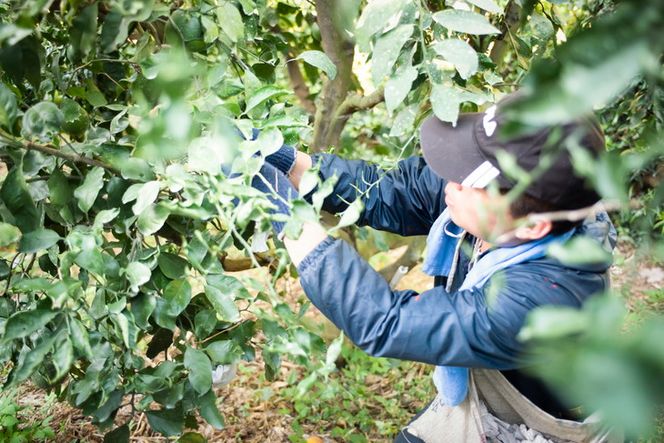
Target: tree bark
x=339, y=47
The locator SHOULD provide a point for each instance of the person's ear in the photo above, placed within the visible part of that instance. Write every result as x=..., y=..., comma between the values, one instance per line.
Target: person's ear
x=533, y=230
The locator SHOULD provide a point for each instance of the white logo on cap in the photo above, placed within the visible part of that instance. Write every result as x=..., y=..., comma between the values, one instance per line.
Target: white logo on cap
x=488, y=123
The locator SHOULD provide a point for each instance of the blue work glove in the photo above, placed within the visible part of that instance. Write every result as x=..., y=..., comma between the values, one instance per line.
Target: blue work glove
x=278, y=189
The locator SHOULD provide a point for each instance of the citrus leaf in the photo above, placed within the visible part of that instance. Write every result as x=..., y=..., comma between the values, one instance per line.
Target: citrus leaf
x=24, y=323
x=460, y=54
x=387, y=50
x=320, y=60
x=222, y=303
x=207, y=406
x=465, y=21
x=487, y=5
x=398, y=87
x=38, y=240
x=200, y=370
x=86, y=194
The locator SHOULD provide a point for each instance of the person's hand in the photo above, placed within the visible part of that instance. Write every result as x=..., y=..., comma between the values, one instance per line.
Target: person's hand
x=278, y=189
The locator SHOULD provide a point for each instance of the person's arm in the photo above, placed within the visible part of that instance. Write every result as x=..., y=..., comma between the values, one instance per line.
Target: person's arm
x=407, y=199
x=458, y=329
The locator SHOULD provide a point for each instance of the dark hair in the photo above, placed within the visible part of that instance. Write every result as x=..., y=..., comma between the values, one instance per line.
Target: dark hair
x=526, y=204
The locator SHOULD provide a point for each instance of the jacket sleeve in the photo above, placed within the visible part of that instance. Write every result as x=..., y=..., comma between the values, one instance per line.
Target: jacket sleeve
x=405, y=200
x=458, y=329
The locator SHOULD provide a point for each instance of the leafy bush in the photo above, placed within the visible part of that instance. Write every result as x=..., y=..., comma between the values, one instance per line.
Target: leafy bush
x=119, y=229
x=17, y=423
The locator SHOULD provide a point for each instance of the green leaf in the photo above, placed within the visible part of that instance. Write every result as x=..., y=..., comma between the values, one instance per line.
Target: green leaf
x=178, y=295
x=91, y=260
x=387, y=51
x=351, y=214
x=404, y=121
x=460, y=54
x=38, y=240
x=42, y=122
x=82, y=33
x=63, y=357
x=445, y=101
x=76, y=120
x=137, y=274
x=230, y=20
x=192, y=437
x=152, y=219
x=171, y=265
x=374, y=18
x=32, y=361
x=147, y=194
x=465, y=21
x=398, y=87
x=59, y=191
x=222, y=303
x=136, y=169
x=22, y=61
x=207, y=406
x=118, y=435
x=8, y=108
x=79, y=337
x=221, y=352
x=17, y=199
x=550, y=322
x=487, y=5
x=113, y=31
x=263, y=94
x=86, y=194
x=166, y=421
x=580, y=250
x=24, y=323
x=200, y=370
x=320, y=60
x=9, y=234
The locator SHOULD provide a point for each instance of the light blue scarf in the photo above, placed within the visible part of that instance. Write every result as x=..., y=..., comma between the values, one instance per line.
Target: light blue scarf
x=443, y=245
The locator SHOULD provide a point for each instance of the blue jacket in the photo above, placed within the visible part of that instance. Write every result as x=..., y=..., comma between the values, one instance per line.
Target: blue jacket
x=459, y=328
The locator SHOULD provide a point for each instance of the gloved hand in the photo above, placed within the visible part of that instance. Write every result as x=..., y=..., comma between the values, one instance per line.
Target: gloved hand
x=278, y=189
x=283, y=159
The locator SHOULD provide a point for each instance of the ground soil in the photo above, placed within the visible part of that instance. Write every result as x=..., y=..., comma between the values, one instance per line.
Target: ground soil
x=250, y=417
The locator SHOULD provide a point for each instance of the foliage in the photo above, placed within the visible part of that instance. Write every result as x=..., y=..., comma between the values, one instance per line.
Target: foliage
x=17, y=424
x=119, y=229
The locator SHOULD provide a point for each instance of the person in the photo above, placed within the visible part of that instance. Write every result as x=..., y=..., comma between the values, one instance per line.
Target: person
x=479, y=242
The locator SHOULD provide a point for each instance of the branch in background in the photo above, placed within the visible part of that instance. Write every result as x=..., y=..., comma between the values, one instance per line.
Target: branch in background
x=75, y=158
x=356, y=102
x=579, y=214
x=300, y=88
x=510, y=25
x=340, y=49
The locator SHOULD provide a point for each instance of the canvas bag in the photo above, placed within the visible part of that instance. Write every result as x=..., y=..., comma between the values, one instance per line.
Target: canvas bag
x=493, y=405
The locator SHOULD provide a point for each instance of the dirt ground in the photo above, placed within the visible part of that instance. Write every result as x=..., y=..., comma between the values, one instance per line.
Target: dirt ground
x=249, y=417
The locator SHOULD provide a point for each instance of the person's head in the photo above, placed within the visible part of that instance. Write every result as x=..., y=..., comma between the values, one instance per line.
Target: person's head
x=466, y=156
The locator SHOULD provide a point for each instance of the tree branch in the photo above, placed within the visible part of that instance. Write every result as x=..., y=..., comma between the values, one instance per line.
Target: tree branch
x=50, y=150
x=510, y=24
x=300, y=88
x=356, y=102
x=340, y=48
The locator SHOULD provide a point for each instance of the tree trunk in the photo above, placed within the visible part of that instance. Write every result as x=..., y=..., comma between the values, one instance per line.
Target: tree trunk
x=339, y=47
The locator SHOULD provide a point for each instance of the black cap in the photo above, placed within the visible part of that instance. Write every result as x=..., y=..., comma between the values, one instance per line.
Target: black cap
x=454, y=152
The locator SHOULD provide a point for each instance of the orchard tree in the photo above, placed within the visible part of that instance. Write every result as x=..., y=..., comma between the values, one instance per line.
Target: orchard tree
x=126, y=203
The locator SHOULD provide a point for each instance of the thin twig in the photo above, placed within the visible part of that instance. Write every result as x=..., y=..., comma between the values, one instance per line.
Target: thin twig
x=50, y=150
